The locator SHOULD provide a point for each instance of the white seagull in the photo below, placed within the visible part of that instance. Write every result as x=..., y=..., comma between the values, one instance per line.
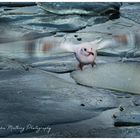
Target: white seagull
x=85, y=52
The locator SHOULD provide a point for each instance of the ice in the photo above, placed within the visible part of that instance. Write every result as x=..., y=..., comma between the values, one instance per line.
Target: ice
x=118, y=76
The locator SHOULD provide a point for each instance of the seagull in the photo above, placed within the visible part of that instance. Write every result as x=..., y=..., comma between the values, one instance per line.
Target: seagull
x=86, y=52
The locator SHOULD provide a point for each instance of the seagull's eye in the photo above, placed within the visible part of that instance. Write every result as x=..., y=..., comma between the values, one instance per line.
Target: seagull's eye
x=85, y=49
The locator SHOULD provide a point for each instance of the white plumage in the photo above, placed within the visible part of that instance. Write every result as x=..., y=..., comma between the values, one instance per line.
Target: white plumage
x=85, y=52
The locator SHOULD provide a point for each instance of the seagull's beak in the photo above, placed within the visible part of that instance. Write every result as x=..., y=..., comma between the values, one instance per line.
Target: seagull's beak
x=90, y=53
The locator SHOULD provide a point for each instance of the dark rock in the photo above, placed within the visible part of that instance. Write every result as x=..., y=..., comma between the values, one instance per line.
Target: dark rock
x=59, y=27
x=114, y=16
x=114, y=116
x=121, y=108
x=17, y=4
x=82, y=104
x=82, y=8
x=75, y=35
x=97, y=20
x=79, y=39
x=136, y=100
x=29, y=23
x=130, y=116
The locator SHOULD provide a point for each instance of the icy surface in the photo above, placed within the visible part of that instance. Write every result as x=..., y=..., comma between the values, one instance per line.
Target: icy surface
x=123, y=77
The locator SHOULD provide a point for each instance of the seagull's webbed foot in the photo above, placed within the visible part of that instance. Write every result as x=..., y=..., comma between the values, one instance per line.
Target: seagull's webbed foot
x=80, y=66
x=93, y=64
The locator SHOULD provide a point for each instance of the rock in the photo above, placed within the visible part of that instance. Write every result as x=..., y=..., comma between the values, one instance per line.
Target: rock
x=136, y=100
x=13, y=22
x=124, y=132
x=83, y=8
x=22, y=34
x=82, y=104
x=115, y=76
x=97, y=20
x=28, y=23
x=75, y=35
x=7, y=64
x=63, y=64
x=23, y=12
x=131, y=12
x=61, y=24
x=79, y=39
x=41, y=100
x=130, y=116
x=17, y=4
x=38, y=103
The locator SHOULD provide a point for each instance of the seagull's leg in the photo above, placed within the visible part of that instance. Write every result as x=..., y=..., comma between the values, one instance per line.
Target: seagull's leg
x=80, y=66
x=93, y=64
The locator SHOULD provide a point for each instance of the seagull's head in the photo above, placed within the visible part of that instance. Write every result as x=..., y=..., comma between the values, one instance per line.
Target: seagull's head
x=86, y=55
x=87, y=51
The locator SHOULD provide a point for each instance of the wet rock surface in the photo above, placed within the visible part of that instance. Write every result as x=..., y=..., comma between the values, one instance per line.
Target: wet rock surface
x=131, y=11
x=20, y=20
x=83, y=8
x=127, y=116
x=125, y=132
x=39, y=98
x=136, y=101
x=63, y=64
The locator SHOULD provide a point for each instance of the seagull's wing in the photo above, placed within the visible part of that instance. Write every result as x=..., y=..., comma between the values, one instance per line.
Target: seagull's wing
x=121, y=40
x=107, y=43
x=50, y=46
x=53, y=46
x=68, y=47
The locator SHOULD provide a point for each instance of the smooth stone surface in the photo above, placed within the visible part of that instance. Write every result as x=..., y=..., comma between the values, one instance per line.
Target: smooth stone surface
x=41, y=99
x=119, y=76
x=77, y=129
x=127, y=116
